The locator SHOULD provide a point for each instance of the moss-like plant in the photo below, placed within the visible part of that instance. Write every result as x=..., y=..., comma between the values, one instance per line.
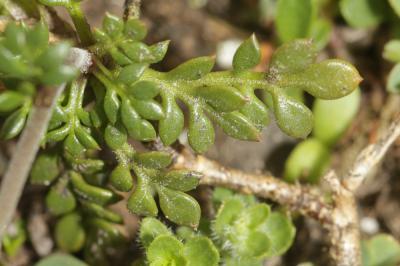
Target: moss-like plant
x=123, y=98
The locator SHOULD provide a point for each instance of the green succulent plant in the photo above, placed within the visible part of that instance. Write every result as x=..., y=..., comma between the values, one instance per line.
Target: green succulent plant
x=88, y=161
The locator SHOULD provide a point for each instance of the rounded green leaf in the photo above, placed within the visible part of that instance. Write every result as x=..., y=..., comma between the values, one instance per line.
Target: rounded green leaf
x=115, y=136
x=10, y=100
x=165, y=250
x=255, y=110
x=381, y=250
x=121, y=178
x=201, y=133
x=148, y=109
x=137, y=128
x=150, y=228
x=137, y=51
x=257, y=244
x=179, y=207
x=154, y=159
x=292, y=57
x=159, y=50
x=392, y=51
x=393, y=82
x=363, y=13
x=73, y=146
x=45, y=169
x=200, y=251
x=172, y=125
x=135, y=29
x=59, y=199
x=84, y=137
x=69, y=233
x=395, y=4
x=237, y=126
x=193, y=69
x=13, y=124
x=131, y=73
x=141, y=201
x=257, y=214
x=38, y=37
x=91, y=193
x=182, y=180
x=101, y=212
x=222, y=99
x=342, y=111
x=144, y=90
x=113, y=25
x=111, y=105
x=293, y=19
x=293, y=117
x=226, y=216
x=248, y=54
x=60, y=259
x=310, y=167
x=281, y=231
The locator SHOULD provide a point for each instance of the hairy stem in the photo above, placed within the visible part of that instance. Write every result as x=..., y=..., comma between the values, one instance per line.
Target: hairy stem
x=132, y=9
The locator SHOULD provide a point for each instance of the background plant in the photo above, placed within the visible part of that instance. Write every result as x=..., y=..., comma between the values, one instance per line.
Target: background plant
x=88, y=161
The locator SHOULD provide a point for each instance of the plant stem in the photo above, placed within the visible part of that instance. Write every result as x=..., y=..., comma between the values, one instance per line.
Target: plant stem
x=132, y=9
x=81, y=24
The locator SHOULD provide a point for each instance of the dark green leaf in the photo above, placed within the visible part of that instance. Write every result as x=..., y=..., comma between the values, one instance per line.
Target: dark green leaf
x=113, y=25
x=10, y=100
x=148, y=109
x=73, y=146
x=201, y=133
x=141, y=201
x=150, y=228
x=69, y=233
x=182, y=180
x=222, y=99
x=121, y=178
x=85, y=138
x=111, y=105
x=13, y=124
x=192, y=69
x=238, y=126
x=91, y=193
x=59, y=199
x=131, y=73
x=248, y=55
x=144, y=90
x=179, y=207
x=137, y=128
x=154, y=159
x=172, y=125
x=293, y=117
x=115, y=136
x=135, y=29
x=45, y=169
x=60, y=259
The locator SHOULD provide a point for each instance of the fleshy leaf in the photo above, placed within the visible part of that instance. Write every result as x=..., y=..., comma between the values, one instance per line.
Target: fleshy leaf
x=200, y=251
x=293, y=19
x=60, y=259
x=121, y=178
x=293, y=117
x=362, y=13
x=201, y=133
x=281, y=232
x=59, y=199
x=150, y=228
x=392, y=51
x=69, y=233
x=141, y=200
x=342, y=111
x=248, y=55
x=165, y=250
x=381, y=250
x=192, y=69
x=179, y=207
x=45, y=169
x=393, y=82
x=172, y=125
x=310, y=167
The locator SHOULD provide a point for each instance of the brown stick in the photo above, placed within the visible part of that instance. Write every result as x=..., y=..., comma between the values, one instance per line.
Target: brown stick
x=296, y=197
